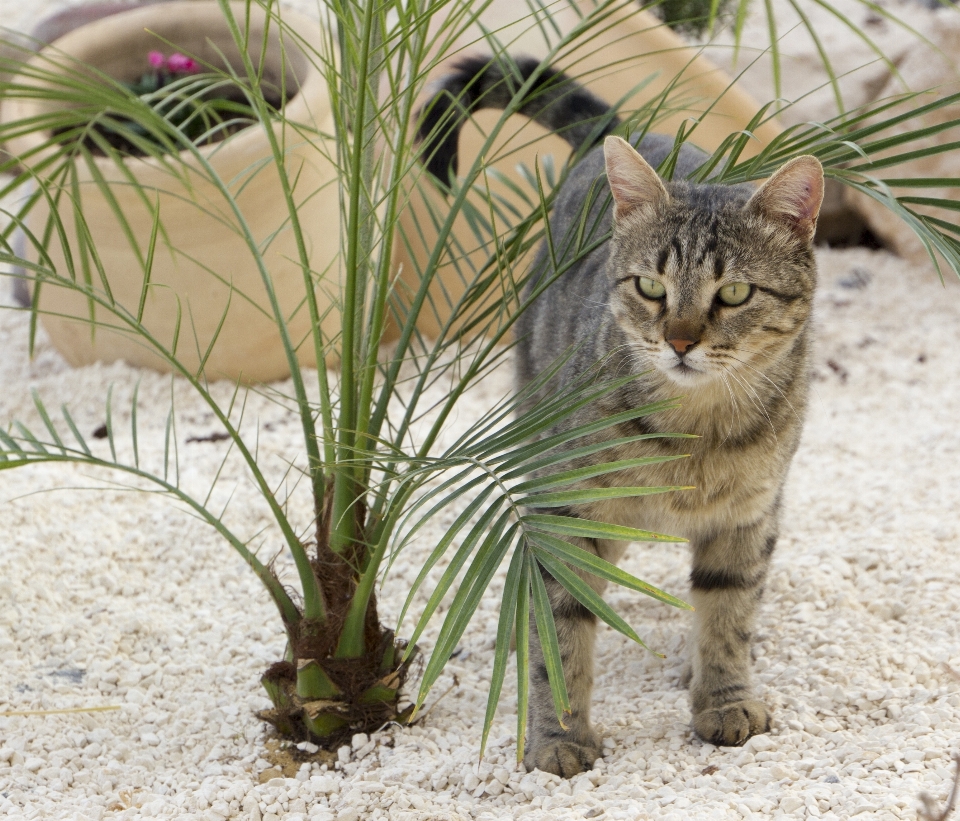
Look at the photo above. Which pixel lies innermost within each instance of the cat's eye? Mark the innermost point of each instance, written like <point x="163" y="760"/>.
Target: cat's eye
<point x="650" y="288"/>
<point x="736" y="293"/>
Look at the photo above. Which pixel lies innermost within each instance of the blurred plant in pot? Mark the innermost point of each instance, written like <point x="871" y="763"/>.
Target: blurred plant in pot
<point x="374" y="461"/>
<point x="203" y="107"/>
<point x="693" y="17"/>
<point x="78" y="127"/>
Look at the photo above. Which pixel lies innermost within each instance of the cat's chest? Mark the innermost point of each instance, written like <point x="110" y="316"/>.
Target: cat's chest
<point x="727" y="483"/>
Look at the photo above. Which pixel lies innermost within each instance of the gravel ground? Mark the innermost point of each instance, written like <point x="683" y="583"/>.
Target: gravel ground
<point x="114" y="603"/>
<point x="112" y="599"/>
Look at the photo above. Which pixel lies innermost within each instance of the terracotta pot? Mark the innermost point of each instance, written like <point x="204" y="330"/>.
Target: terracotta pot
<point x="630" y="47"/>
<point x="202" y="268"/>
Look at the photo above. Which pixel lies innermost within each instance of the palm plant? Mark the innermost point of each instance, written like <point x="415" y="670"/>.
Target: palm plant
<point x="373" y="461"/>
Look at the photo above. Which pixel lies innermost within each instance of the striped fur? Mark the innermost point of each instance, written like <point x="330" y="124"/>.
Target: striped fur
<point x="743" y="372"/>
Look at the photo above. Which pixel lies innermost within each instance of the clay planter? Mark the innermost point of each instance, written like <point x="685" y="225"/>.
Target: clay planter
<point x="203" y="267"/>
<point x="632" y="46"/>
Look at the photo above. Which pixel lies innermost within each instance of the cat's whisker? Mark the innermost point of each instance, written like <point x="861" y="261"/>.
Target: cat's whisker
<point x="736" y="416"/>
<point x="629" y="361"/>
<point x="767" y="358"/>
<point x="756" y="401"/>
<point x="775" y="386"/>
<point x="641" y="356"/>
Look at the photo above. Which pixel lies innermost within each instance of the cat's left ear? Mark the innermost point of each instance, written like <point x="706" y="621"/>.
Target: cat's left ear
<point x="793" y="196"/>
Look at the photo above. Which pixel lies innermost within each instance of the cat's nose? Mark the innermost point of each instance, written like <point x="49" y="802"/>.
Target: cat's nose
<point x="681" y="346"/>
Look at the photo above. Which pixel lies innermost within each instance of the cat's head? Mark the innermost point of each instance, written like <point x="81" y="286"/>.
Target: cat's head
<point x="711" y="278"/>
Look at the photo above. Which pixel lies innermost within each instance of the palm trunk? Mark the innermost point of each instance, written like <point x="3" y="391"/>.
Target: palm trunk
<point x="323" y="694"/>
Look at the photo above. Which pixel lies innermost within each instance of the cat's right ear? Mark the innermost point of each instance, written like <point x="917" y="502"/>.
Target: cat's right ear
<point x="633" y="183"/>
<point x="792" y="196"/>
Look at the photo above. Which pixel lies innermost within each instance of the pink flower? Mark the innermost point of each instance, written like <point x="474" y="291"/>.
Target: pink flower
<point x="181" y="64"/>
<point x="156" y="58"/>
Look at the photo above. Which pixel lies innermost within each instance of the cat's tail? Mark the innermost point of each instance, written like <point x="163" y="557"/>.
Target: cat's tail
<point x="554" y="100"/>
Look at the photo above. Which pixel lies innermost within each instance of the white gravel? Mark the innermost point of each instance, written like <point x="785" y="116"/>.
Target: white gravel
<point x="114" y="599"/>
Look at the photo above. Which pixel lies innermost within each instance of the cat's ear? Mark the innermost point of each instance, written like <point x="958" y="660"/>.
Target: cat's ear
<point x="793" y="195"/>
<point x="633" y="183"/>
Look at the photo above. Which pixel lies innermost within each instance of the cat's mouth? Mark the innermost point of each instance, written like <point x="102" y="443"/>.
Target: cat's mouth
<point x="683" y="368"/>
<point x="685" y="373"/>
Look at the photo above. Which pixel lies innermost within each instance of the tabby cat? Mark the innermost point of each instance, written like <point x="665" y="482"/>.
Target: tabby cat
<point x="703" y="291"/>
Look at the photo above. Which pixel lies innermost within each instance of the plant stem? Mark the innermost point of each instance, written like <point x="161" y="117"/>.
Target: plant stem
<point x="359" y="241"/>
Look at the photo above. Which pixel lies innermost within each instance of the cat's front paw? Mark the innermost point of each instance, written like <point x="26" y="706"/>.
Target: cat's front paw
<point x="732" y="724"/>
<point x="562" y="757"/>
